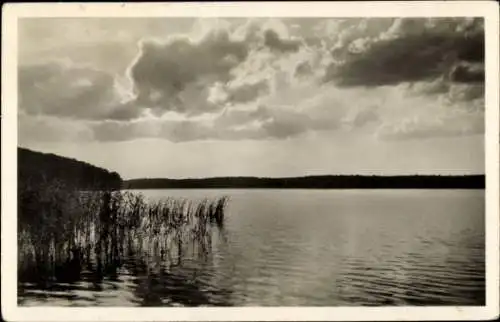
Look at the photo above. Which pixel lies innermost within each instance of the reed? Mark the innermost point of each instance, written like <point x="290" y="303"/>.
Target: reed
<point x="61" y="230"/>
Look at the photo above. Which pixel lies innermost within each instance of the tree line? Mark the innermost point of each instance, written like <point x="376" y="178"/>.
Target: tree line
<point x="35" y="169"/>
<point x="316" y="182"/>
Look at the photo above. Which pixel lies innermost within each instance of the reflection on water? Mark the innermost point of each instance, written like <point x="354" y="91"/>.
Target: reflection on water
<point x="303" y="247"/>
<point x="147" y="279"/>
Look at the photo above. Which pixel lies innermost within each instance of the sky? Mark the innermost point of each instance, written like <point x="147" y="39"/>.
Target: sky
<point x="201" y="97"/>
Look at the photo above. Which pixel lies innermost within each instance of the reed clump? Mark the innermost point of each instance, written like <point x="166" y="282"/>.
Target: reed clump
<point x="62" y="230"/>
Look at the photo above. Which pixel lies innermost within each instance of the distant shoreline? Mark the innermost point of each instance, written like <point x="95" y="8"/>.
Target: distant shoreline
<point x="35" y="168"/>
<point x="313" y="182"/>
<point x="311" y="188"/>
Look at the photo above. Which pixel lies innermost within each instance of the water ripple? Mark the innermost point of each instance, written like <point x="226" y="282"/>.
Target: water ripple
<point x="354" y="248"/>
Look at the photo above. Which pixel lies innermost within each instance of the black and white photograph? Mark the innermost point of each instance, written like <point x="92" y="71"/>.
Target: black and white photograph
<point x="251" y="161"/>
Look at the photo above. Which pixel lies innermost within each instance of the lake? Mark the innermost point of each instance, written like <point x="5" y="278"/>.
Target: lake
<point x="308" y="248"/>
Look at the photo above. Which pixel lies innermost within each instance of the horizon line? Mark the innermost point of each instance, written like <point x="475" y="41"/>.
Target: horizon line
<point x="311" y="176"/>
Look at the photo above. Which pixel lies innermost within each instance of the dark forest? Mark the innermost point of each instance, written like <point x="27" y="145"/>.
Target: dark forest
<point x="36" y="168"/>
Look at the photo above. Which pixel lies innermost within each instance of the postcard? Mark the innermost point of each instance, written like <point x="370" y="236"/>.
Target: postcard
<point x="237" y="161"/>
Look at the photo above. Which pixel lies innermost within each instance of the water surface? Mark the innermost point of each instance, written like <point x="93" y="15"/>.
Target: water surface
<point x="308" y="248"/>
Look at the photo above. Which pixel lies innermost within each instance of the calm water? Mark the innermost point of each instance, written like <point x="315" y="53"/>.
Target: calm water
<point x="311" y="248"/>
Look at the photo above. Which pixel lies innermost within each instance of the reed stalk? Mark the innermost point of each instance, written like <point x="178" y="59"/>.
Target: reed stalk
<point x="62" y="230"/>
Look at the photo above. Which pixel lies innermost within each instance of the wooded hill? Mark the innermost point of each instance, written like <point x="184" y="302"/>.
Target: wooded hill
<point x="36" y="168"/>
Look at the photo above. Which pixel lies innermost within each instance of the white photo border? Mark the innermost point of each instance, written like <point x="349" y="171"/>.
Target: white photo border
<point x="489" y="10"/>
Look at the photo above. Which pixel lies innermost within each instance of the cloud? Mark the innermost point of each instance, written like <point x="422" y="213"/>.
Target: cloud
<point x="465" y="95"/>
<point x="54" y="90"/>
<point x="264" y="79"/>
<point x="224" y="64"/>
<point x="365" y="116"/>
<point x="70" y="91"/>
<point x="467" y="73"/>
<point x="39" y="128"/>
<point x="167" y="75"/>
<point x="107" y="43"/>
<point x="456" y="124"/>
<point x="274" y="42"/>
<point x="324" y="109"/>
<point x="240" y="122"/>
<point x="171" y="130"/>
<point x="184" y="74"/>
<point x="449" y="93"/>
<point x="303" y="69"/>
<point x="340" y="33"/>
<point x="122" y="111"/>
<point x="247" y="92"/>
<point x="434" y="87"/>
<point x="410" y="50"/>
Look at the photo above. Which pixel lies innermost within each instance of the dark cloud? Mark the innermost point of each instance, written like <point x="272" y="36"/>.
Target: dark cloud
<point x="274" y="42"/>
<point x="411" y="50"/>
<point x="164" y="71"/>
<point x="391" y="62"/>
<point x="467" y="74"/>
